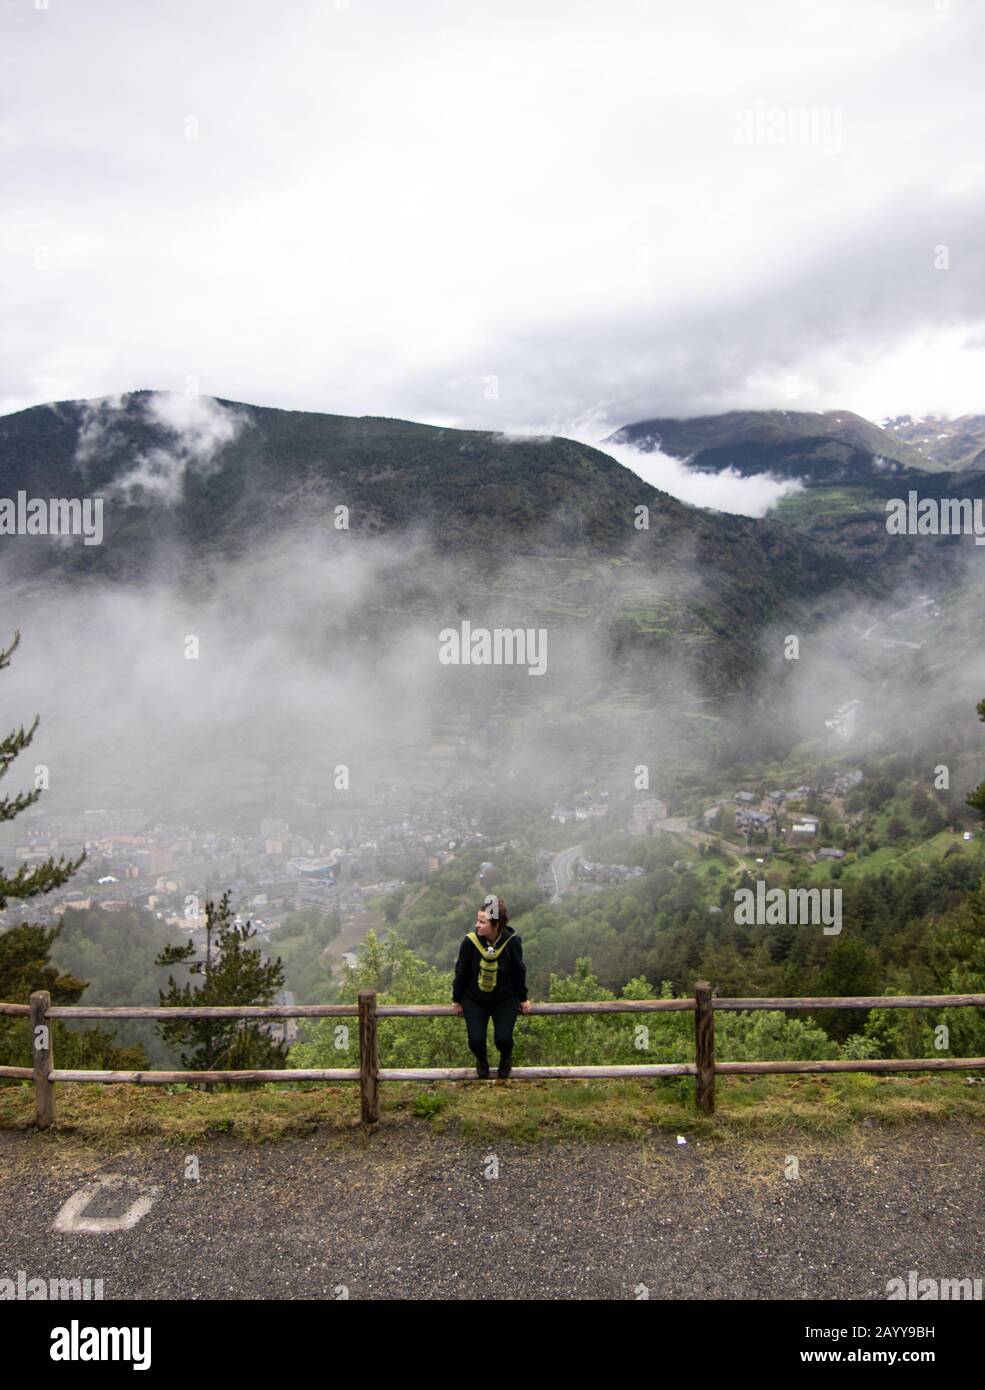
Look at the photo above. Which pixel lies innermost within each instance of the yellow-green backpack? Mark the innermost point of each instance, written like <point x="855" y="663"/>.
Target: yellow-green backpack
<point x="488" y="961"/>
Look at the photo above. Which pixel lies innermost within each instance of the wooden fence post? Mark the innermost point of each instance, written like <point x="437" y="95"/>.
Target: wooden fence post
<point x="43" y="1053"/>
<point x="704" y="1047"/>
<point x="369" y="1058"/>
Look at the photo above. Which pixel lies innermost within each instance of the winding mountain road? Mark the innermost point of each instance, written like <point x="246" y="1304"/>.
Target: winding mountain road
<point x="563" y="867"/>
<point x="921" y="603"/>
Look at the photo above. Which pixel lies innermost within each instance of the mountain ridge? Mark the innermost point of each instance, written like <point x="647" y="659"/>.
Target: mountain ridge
<point x="778" y="441"/>
<point x="549" y="526"/>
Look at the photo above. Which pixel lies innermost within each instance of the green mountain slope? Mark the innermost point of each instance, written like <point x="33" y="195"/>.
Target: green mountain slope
<point x="550" y="523"/>
<point x="848" y="469"/>
<point x="230" y="512"/>
<point x="831" y="445"/>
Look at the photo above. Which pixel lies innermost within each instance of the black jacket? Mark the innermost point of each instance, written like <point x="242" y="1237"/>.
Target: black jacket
<point x="511" y="977"/>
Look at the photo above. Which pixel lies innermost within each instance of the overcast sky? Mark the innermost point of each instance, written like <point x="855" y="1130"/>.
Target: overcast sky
<point x="508" y="213"/>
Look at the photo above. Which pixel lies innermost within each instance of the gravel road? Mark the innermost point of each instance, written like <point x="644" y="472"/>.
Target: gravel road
<point x="411" y="1213"/>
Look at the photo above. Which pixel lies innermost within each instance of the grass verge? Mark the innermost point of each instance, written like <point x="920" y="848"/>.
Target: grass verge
<point x="533" y="1112"/>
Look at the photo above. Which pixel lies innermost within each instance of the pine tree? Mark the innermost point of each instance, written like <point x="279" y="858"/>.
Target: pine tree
<point x="233" y="972"/>
<point x="27" y="882"/>
<point x="25" y="950"/>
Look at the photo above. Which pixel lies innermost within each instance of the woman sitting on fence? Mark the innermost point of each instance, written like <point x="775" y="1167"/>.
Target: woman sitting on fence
<point x="491" y="982"/>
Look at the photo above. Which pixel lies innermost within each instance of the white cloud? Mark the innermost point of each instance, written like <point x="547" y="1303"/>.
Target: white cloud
<point x="195" y="428"/>
<point x="386" y="205"/>
<point x="727" y="491"/>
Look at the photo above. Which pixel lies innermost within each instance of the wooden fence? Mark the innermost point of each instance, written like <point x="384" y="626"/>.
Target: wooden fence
<point x="369" y="1073"/>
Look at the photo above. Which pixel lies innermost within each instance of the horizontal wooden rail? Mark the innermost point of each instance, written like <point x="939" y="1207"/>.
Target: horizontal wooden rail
<point x="175" y="1078"/>
<point x="860" y="1001"/>
<point x="369" y="1073"/>
<point x="540" y="1073"/>
<point x="77" y="1011"/>
<point x="868" y="1064"/>
<point x="587" y="1006"/>
<point x="604" y="1006"/>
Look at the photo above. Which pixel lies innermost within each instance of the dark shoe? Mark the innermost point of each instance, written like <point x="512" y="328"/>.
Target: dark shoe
<point x="504" y="1068"/>
<point x="482" y="1070"/>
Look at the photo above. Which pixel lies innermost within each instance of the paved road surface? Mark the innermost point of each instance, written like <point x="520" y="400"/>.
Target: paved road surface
<point x="562" y="867"/>
<point x="407" y="1213"/>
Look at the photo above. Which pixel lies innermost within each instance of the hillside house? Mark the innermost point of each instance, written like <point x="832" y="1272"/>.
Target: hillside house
<point x="755" y="822"/>
<point x="849" y="781"/>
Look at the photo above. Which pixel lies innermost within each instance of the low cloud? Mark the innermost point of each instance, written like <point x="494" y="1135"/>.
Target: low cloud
<point x="98" y="430"/>
<point x="727" y="491"/>
<point x="195" y="429"/>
